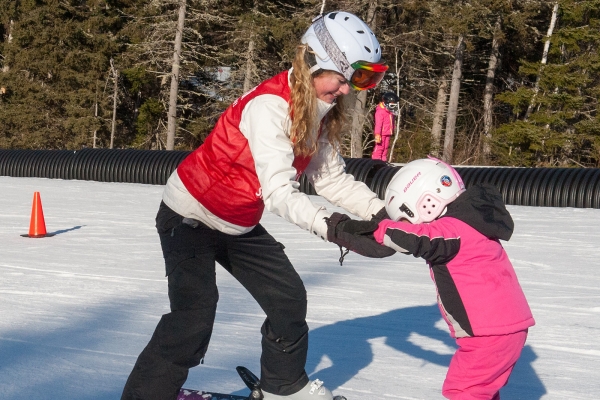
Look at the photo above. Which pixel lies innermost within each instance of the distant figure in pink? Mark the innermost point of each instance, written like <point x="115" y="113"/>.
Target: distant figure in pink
<point x="385" y="114"/>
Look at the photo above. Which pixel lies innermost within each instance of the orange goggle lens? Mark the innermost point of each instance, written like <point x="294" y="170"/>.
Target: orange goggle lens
<point x="367" y="75"/>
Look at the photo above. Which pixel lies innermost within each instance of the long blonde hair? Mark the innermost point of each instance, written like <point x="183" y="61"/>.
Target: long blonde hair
<point x="303" y="109"/>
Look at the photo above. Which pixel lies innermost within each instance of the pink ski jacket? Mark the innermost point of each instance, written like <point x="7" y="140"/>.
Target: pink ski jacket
<point x="384" y="121"/>
<point x="478" y="291"/>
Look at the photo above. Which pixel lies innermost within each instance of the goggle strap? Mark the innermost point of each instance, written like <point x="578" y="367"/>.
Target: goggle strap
<point x="311" y="60"/>
<point x="314" y="68"/>
<point x="332" y="49"/>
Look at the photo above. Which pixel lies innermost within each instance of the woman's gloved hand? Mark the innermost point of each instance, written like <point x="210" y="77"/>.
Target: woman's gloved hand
<point x="356" y="236"/>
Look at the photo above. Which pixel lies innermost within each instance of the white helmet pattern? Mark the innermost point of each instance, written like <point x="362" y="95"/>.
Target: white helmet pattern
<point x="352" y="36"/>
<point x="421" y="190"/>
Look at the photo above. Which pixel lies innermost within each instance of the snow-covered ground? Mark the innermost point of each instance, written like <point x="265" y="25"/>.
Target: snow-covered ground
<point x="76" y="309"/>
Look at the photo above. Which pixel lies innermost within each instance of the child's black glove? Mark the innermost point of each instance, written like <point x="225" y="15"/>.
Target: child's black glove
<point x="356" y="236"/>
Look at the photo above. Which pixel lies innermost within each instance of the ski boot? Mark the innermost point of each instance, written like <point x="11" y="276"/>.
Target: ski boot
<point x="314" y="390"/>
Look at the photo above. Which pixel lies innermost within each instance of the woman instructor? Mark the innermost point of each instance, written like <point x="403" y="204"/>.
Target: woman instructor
<point x="213" y="202"/>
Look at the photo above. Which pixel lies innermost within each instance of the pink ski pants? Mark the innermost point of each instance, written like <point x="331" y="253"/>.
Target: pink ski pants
<point x="482" y="365"/>
<point x="380" y="151"/>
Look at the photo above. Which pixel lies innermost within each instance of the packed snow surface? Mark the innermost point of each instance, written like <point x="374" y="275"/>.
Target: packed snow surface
<point x="77" y="308"/>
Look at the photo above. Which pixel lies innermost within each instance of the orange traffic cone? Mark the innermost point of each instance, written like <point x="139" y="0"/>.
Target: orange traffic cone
<point x="37" y="225"/>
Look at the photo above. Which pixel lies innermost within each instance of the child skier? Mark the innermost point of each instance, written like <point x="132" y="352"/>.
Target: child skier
<point x="458" y="233"/>
<point x="385" y="115"/>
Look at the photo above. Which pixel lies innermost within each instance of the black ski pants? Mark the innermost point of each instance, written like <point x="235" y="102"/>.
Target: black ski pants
<point x="181" y="337"/>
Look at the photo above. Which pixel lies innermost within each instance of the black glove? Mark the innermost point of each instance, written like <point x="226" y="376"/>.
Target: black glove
<point x="356" y="236"/>
<point x="380" y="216"/>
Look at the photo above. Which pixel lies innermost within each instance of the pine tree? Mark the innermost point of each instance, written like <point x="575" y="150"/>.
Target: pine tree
<point x="54" y="65"/>
<point x="563" y="127"/>
<point x="57" y="86"/>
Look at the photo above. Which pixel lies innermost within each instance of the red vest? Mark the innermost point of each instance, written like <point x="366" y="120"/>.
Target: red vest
<point x="220" y="174"/>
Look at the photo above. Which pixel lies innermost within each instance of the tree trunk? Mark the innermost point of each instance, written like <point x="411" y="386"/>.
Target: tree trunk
<point x="9" y="37"/>
<point x="399" y="116"/>
<point x="396" y="134"/>
<point x="453" y="101"/>
<point x="95" y="130"/>
<point x="172" y="115"/>
<point x="249" y="67"/>
<point x="536" y="87"/>
<point x="356" y="129"/>
<point x="438" y="117"/>
<point x="358" y="112"/>
<point x="488" y="94"/>
<point x="115" y="95"/>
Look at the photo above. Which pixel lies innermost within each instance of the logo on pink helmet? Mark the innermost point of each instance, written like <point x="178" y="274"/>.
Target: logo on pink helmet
<point x="408" y="185"/>
<point x="446" y="181"/>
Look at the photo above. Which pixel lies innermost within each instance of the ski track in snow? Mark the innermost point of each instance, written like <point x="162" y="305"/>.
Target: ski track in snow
<point x="79" y="307"/>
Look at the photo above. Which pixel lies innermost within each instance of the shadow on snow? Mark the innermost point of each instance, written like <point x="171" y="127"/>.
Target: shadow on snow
<point x="346" y="344"/>
<point x="85" y="359"/>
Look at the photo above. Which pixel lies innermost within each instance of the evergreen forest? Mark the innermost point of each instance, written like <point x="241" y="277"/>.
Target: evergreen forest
<point x="480" y="82"/>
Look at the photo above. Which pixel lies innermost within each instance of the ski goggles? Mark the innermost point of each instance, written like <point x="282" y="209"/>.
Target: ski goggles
<point x="366" y="75"/>
<point x="361" y="75"/>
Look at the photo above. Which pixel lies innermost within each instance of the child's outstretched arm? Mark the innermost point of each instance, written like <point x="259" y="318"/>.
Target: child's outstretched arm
<point x="421" y="240"/>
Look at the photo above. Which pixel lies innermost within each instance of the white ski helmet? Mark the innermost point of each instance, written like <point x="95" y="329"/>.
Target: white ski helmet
<point x="421" y="190"/>
<point x="342" y="42"/>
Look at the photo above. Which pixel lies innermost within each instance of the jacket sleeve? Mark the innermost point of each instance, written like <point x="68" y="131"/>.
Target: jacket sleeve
<point x="427" y="241"/>
<point x="327" y="173"/>
<point x="264" y="123"/>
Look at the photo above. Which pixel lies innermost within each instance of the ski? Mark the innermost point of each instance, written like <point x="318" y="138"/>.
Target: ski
<point x="251" y="381"/>
<point x="188" y="394"/>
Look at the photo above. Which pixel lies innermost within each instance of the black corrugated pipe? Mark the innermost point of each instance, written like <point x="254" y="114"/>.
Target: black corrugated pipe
<point x="103" y="165"/>
<point x="546" y="187"/>
<point x="363" y="169"/>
